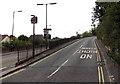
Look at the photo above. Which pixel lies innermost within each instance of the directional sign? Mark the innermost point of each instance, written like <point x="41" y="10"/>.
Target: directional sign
<point x="46" y="32"/>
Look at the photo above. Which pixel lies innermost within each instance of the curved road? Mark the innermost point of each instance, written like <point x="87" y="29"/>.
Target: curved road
<point x="78" y="62"/>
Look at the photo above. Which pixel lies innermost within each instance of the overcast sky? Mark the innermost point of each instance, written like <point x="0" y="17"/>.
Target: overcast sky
<point x="65" y="18"/>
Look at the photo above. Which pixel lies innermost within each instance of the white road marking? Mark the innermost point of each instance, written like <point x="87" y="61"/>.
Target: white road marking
<point x="78" y="49"/>
<point x="3" y="68"/>
<point x="89" y="56"/>
<point x="83" y="56"/>
<point x="75" y="52"/>
<point x="57" y="69"/>
<point x="83" y="47"/>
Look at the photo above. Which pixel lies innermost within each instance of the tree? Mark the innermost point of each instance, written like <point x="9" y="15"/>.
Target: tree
<point x="93" y="30"/>
<point x="23" y="38"/>
<point x="86" y="34"/>
<point x="108" y="15"/>
<point x="56" y="38"/>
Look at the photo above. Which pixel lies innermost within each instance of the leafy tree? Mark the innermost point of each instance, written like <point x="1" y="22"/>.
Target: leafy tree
<point x="86" y="34"/>
<point x="108" y="30"/>
<point x="56" y="38"/>
<point x="93" y="30"/>
<point x="23" y="38"/>
<point x="5" y="44"/>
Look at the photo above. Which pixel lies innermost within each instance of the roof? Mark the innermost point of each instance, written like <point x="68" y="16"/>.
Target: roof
<point x="3" y="36"/>
<point x="39" y="36"/>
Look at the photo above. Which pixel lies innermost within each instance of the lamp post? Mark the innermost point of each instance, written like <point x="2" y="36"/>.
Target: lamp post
<point x="13" y="21"/>
<point x="13" y="29"/>
<point x="13" y="33"/>
<point x="46" y="29"/>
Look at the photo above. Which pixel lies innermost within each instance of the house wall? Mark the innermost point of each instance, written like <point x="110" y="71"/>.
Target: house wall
<point x="6" y="39"/>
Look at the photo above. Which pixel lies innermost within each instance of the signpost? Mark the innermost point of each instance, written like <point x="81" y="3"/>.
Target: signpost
<point x="47" y="35"/>
<point x="33" y="21"/>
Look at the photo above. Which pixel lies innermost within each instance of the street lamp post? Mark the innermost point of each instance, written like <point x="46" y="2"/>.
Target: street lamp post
<point x="46" y="29"/>
<point x="13" y="21"/>
<point x="13" y="29"/>
<point x="13" y="32"/>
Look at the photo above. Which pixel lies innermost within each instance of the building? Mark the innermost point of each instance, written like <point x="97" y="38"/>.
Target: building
<point x="4" y="38"/>
<point x="37" y="37"/>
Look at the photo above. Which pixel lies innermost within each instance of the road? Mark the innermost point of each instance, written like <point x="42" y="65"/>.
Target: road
<point x="10" y="59"/>
<point x="78" y="62"/>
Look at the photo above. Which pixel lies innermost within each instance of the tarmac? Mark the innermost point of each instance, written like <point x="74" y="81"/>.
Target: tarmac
<point x="113" y="69"/>
<point x="35" y="59"/>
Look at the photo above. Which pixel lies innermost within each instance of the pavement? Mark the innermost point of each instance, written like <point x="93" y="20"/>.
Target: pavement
<point x="10" y="59"/>
<point x="113" y="69"/>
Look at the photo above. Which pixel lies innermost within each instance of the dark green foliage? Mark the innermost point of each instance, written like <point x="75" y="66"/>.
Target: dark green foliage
<point x="108" y="30"/>
<point x="23" y="38"/>
<point x="86" y="34"/>
<point x="5" y="44"/>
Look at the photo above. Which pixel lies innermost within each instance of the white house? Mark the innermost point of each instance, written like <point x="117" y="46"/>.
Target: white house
<point x="4" y="38"/>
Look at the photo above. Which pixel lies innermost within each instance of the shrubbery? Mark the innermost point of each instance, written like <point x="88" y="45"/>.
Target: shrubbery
<point x="108" y="30"/>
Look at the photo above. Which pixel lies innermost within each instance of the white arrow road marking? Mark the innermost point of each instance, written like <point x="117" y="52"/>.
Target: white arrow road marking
<point x="57" y="69"/>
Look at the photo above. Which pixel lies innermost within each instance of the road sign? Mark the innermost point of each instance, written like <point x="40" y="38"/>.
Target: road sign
<point x="34" y="20"/>
<point x="47" y="36"/>
<point x="46" y="31"/>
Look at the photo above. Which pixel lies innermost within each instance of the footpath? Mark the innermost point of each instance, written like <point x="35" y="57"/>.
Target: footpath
<point x="36" y="58"/>
<point x="111" y="66"/>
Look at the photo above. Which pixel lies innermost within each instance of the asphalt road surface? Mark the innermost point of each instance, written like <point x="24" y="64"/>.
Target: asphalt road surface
<point x="78" y="62"/>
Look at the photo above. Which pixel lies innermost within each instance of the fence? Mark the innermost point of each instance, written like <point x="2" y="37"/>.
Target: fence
<point x="25" y="53"/>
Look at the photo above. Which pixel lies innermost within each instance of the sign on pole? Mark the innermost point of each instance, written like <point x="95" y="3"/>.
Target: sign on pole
<point x="34" y="20"/>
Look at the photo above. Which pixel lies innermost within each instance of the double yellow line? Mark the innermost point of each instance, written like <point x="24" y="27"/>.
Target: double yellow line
<point x="100" y="69"/>
<point x="100" y="75"/>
